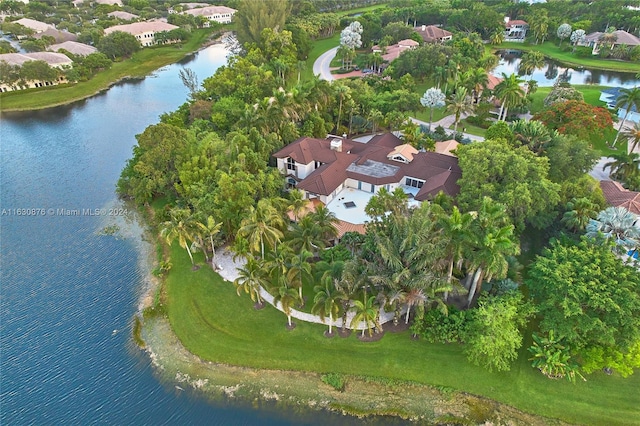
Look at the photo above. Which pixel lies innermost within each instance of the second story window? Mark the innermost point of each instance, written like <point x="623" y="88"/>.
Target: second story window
<point x="291" y="165"/>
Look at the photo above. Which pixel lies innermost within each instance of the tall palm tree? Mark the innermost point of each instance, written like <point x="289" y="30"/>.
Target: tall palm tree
<point x="263" y="225"/>
<point x="628" y="99"/>
<point x="531" y="61"/>
<point x="342" y="92"/>
<point x="354" y="278"/>
<point x="459" y="104"/>
<point x="297" y="203"/>
<point x="367" y="311"/>
<point x="299" y="271"/>
<point x="497" y="37"/>
<point x="300" y="66"/>
<point x="579" y="212"/>
<point x="326" y="303"/>
<point x="456" y="229"/>
<point x="633" y="135"/>
<point x="304" y="235"/>
<point x="252" y="276"/>
<point x="509" y="92"/>
<point x="287" y="297"/>
<point x="212" y="230"/>
<point x="182" y="226"/>
<point x="375" y="117"/>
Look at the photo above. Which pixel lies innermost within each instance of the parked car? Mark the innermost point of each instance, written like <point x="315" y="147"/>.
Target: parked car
<point x="367" y="71"/>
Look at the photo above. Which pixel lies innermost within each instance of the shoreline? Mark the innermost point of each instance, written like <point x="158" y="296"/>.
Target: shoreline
<point x="208" y="42"/>
<point x="300" y="394"/>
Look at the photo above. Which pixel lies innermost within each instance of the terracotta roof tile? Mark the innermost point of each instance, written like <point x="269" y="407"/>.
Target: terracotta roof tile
<point x="617" y="196"/>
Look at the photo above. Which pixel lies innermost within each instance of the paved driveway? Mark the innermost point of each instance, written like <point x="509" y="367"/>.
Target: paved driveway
<point x="321" y="65"/>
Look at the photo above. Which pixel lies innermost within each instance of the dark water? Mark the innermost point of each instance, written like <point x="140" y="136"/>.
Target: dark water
<point x="552" y="70"/>
<point x="68" y="294"/>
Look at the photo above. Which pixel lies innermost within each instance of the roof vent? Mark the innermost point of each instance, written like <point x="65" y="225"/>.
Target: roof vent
<point x="336" y="145"/>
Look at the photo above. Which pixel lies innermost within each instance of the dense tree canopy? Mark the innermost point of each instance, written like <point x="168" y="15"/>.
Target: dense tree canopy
<point x="592" y="300"/>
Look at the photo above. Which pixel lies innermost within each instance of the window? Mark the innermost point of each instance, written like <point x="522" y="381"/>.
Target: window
<point x="318" y="164"/>
<point x="291" y="165"/>
<point x="413" y="182"/>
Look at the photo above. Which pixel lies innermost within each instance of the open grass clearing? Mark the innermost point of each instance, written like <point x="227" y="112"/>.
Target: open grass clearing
<point x="217" y="325"/>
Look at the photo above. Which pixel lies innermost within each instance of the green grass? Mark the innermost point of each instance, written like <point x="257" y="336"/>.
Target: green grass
<point x="551" y="50"/>
<point x="319" y="47"/>
<point x="362" y="9"/>
<point x="219" y="326"/>
<point x="140" y="64"/>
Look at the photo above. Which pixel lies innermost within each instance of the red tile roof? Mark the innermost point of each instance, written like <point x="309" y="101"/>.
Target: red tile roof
<point x="617" y="196"/>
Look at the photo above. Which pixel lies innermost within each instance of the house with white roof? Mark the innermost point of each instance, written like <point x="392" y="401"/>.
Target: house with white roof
<point x="32" y="24"/>
<point x="74" y="47"/>
<point x="144" y="32"/>
<point x="220" y="14"/>
<point x="125" y="16"/>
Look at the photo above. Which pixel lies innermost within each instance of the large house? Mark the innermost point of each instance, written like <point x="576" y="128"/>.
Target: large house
<point x="54" y="60"/>
<point x="74" y="47"/>
<point x="433" y="34"/>
<point x="515" y="30"/>
<point x="221" y="14"/>
<point x="32" y="24"/>
<point x="344" y="174"/>
<point x="143" y="31"/>
<point x="393" y="52"/>
<point x="617" y="196"/>
<point x="595" y="40"/>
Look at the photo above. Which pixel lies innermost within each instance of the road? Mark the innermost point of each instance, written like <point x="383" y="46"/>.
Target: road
<point x="322" y="65"/>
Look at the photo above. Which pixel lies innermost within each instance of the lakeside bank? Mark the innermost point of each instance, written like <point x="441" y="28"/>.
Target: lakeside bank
<point x="140" y="65"/>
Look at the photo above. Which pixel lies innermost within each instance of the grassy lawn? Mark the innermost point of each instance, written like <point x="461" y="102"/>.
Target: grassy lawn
<point x="141" y="64"/>
<point x="552" y="50"/>
<point x="217" y="325"/>
<point x="319" y="47"/>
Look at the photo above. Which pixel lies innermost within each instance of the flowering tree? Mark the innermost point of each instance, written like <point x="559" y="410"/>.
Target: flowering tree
<point x="432" y="98"/>
<point x="350" y="39"/>
<point x="563" y="32"/>
<point x="577" y="36"/>
<point x="576" y="118"/>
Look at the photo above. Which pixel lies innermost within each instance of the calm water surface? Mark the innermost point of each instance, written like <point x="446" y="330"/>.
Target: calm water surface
<point x="68" y="294"/>
<point x="552" y="70"/>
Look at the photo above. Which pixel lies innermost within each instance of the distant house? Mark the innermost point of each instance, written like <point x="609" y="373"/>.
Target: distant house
<point x="186" y="6"/>
<point x="125" y="16"/>
<point x="610" y="96"/>
<point x="617" y="196"/>
<point x="109" y="2"/>
<point x="32" y="24"/>
<point x="344" y="174"/>
<point x="220" y="14"/>
<point x="143" y="31"/>
<point x="54" y="60"/>
<point x="515" y="30"/>
<point x="433" y="34"/>
<point x="74" y="47"/>
<point x="594" y="40"/>
<point x="59" y="36"/>
<point x="393" y="51"/>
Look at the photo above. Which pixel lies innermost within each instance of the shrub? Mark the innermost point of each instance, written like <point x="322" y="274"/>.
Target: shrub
<point x="335" y="380"/>
<point x="437" y="327"/>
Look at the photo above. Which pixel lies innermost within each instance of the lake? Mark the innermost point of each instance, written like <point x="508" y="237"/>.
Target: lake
<point x="547" y="76"/>
<point x="69" y="293"/>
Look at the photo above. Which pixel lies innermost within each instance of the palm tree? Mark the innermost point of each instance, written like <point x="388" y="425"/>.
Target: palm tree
<point x="325" y="221"/>
<point x="182" y="226"/>
<point x="456" y="229"/>
<point x="497" y="37"/>
<point x="493" y="242"/>
<point x="299" y="271"/>
<point x="212" y="229"/>
<point x="628" y="99"/>
<point x="531" y="133"/>
<point x="353" y="279"/>
<point x="579" y="212"/>
<point x="251" y="278"/>
<point x="297" y="203"/>
<point x="262" y="226"/>
<point x="343" y="92"/>
<point x="531" y="61"/>
<point x="287" y="297"/>
<point x="459" y="104"/>
<point x="300" y="66"/>
<point x="617" y="224"/>
<point x="366" y="311"/>
<point x="476" y="81"/>
<point x="509" y="92"/>
<point x="304" y="235"/>
<point x="326" y="303"/>
<point x="624" y="166"/>
<point x="375" y="117"/>
<point x="633" y="135"/>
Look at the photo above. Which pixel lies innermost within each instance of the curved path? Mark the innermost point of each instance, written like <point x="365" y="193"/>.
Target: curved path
<point x="228" y="271"/>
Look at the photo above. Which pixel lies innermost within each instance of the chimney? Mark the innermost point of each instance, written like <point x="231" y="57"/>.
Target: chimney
<point x="336" y="145"/>
<point x="424" y="28"/>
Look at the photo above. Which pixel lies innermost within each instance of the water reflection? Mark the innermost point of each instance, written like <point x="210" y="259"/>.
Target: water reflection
<point x="553" y="70"/>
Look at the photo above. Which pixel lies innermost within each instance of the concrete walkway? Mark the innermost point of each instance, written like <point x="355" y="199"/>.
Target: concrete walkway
<point x="229" y="272"/>
<point x="598" y="171"/>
